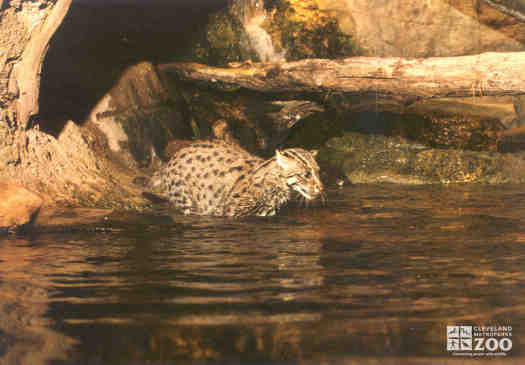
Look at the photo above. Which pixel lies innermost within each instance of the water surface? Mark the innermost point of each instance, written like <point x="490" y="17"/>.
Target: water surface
<point x="376" y="275"/>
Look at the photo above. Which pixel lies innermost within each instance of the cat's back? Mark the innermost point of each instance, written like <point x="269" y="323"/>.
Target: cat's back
<point x="198" y="177"/>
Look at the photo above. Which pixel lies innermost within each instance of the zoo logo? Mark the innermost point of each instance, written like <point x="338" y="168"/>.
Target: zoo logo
<point x="477" y="340"/>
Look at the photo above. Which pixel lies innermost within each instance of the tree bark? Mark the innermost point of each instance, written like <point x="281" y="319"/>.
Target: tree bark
<point x="391" y="78"/>
<point x="510" y="7"/>
<point x="26" y="28"/>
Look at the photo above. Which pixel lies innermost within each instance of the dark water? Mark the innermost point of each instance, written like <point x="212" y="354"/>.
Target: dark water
<point x="374" y="277"/>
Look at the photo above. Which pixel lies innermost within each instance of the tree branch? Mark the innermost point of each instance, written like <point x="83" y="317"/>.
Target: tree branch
<point x="391" y="77"/>
<point x="27" y="71"/>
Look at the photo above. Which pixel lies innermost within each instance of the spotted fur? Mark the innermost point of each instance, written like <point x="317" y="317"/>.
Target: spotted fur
<point x="214" y="178"/>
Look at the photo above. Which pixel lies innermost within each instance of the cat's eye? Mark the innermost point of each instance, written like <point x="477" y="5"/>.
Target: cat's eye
<point x="308" y="174"/>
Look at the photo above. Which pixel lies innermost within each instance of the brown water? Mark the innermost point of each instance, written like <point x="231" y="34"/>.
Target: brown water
<point x="373" y="277"/>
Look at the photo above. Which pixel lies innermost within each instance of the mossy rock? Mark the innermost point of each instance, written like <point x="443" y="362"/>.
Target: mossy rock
<point x="149" y="131"/>
<point x="375" y="158"/>
<point x="302" y="30"/>
<point x="223" y="41"/>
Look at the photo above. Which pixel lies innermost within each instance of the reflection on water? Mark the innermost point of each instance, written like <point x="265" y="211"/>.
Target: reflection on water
<point x="377" y="274"/>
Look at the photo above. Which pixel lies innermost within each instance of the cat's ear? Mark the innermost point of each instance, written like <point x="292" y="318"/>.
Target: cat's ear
<point x="280" y="160"/>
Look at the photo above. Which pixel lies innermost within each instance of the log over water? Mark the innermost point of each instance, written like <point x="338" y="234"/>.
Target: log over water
<point x="390" y="77"/>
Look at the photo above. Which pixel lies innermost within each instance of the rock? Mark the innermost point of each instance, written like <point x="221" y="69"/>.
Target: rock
<point x="52" y="219"/>
<point x="58" y="219"/>
<point x="413" y="28"/>
<point x="374" y="158"/>
<point x="136" y="117"/>
<point x="295" y="29"/>
<point x="303" y="29"/>
<point x="273" y="31"/>
<point x="72" y="170"/>
<point x="18" y="207"/>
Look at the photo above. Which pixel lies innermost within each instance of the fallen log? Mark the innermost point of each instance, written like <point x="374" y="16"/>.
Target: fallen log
<point x="403" y="79"/>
